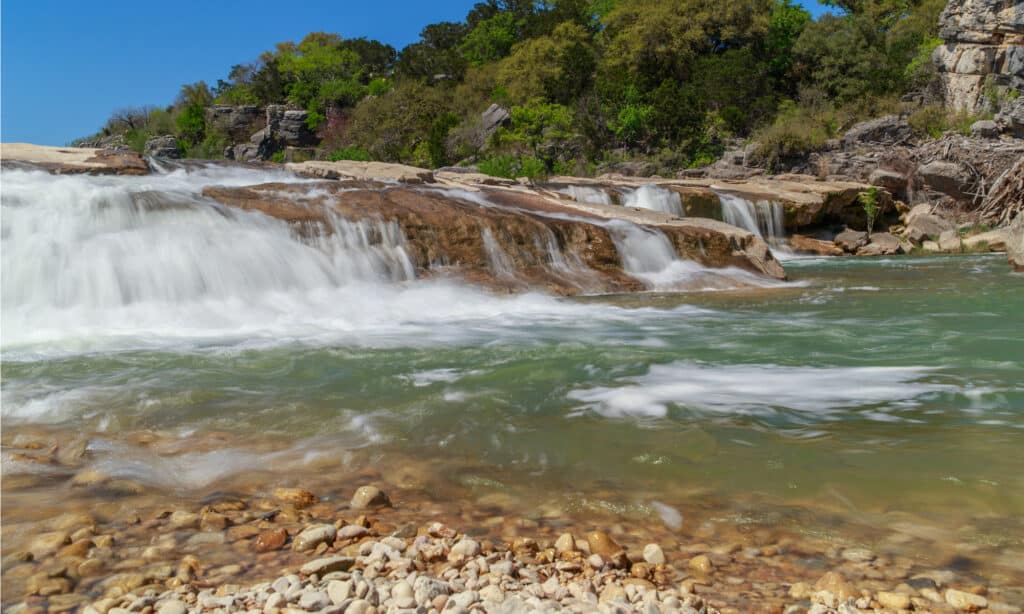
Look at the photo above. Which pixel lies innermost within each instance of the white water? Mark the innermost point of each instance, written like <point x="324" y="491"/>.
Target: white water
<point x="498" y="261"/>
<point x="655" y="198"/>
<point x="761" y="389"/>
<point x="764" y="218"/>
<point x="100" y="263"/>
<point x="587" y="194"/>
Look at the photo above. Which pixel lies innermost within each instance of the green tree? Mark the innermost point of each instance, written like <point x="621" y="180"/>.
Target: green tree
<point x="491" y="39"/>
<point x="557" y="67"/>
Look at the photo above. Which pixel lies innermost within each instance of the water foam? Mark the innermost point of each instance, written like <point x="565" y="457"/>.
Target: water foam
<point x="653" y="197"/>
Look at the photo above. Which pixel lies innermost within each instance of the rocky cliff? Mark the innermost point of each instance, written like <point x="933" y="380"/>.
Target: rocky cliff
<point x="983" y="49"/>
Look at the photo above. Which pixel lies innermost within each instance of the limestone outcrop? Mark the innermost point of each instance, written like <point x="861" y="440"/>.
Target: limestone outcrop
<point x="507" y="237"/>
<point x="69" y="160"/>
<point x="983" y="48"/>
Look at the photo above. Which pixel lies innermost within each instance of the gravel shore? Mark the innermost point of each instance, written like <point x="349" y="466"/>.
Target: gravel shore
<point x="351" y="558"/>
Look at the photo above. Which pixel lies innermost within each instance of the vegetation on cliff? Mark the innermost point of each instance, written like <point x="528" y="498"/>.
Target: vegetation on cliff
<point x="586" y="82"/>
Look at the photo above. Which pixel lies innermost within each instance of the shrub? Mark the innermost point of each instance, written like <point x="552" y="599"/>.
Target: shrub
<point x="352" y="152"/>
<point x="869" y="201"/>
<point x="512" y="166"/>
<point x="929" y="120"/>
<point x="277" y="156"/>
<point x="795" y="131"/>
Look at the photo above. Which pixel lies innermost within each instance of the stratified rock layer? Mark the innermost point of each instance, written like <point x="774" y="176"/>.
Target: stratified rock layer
<point x="64" y="160"/>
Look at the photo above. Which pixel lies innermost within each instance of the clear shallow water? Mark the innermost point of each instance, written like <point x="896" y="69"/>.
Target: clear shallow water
<point x="869" y="388"/>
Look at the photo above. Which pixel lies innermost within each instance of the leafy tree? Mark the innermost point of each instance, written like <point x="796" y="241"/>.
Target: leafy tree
<point x="491" y="39"/>
<point x="556" y="67"/>
<point x="437" y="52"/>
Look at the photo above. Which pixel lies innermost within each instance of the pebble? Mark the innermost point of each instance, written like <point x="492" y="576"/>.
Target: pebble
<point x="327" y="564"/>
<point x="465" y="547"/>
<point x="702" y="565"/>
<point x="601" y="544"/>
<point x="369" y="496"/>
<point x="968" y="602"/>
<point x="653" y="554"/>
<point x="894" y="601"/>
<point x="352" y="531"/>
<point x="314" y="535"/>
<point x="833" y="582"/>
<point x="173" y="606"/>
<point x="299" y="498"/>
<point x="269" y="540"/>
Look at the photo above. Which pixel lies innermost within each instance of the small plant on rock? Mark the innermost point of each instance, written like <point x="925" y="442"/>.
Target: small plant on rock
<point x="868" y="199"/>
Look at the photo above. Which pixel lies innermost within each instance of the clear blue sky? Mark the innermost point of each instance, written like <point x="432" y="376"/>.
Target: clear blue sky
<point x="67" y="64"/>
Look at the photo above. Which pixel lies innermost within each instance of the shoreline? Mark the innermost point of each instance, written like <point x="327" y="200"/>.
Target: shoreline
<point x="140" y="549"/>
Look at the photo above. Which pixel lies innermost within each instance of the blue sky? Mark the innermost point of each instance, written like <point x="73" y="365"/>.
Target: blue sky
<point x="67" y="64"/>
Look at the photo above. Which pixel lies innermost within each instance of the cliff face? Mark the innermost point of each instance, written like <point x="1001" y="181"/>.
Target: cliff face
<point x="984" y="45"/>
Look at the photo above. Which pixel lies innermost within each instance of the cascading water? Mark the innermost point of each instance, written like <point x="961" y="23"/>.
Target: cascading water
<point x="655" y="198"/>
<point x="587" y="194"/>
<point x="764" y="218"/>
<point x="499" y="262"/>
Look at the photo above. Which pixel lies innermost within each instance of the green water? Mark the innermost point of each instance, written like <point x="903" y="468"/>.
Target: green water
<point x="868" y="385"/>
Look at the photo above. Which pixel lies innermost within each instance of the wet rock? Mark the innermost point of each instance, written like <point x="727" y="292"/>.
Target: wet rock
<point x="565" y="543"/>
<point x="369" y="496"/>
<point x="835" y="583"/>
<point x="894" y="601"/>
<point x="46" y="544"/>
<point x="212" y="521"/>
<point x="702" y="565"/>
<point x="299" y="498"/>
<point x="653" y="554"/>
<point x="271" y="539"/>
<point x="602" y="545"/>
<point x="77" y="549"/>
<point x="313" y="536"/>
<point x="327" y="565"/>
<point x="992" y="241"/>
<point x="183" y="520"/>
<point x="964" y="601"/>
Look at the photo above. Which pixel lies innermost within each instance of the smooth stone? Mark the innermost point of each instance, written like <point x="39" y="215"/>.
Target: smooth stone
<point x="968" y="602"/>
<point x="298" y="498"/>
<point x="327" y="565"/>
<point x="351" y="531"/>
<point x="173" y="606"/>
<point x="565" y="543"/>
<point x="653" y="554"/>
<point x="314" y="535"/>
<point x="359" y="606"/>
<point x="858" y="555"/>
<point x="465" y="547"/>
<point x="702" y="565"/>
<point x="271" y="539"/>
<point x="600" y="543"/>
<point x="895" y="601"/>
<point x="46" y="544"/>
<point x="313" y="601"/>
<point x="183" y="520"/>
<point x="836" y="584"/>
<point x="369" y="496"/>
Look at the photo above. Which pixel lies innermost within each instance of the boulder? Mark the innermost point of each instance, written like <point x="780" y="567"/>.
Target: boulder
<point x="235" y="122"/>
<point x="886" y="130"/>
<point x="949" y="241"/>
<point x="985" y="129"/>
<point x="992" y="241"/>
<point x="809" y="245"/>
<point x="362" y="171"/>
<point x="881" y="244"/>
<point x="288" y="127"/>
<point x="1015" y="244"/>
<point x="1010" y="118"/>
<point x="923" y="224"/>
<point x="894" y="181"/>
<point x="949" y="178"/>
<point x="493" y="118"/>
<point x="851" y="240"/>
<point x="165" y="146"/>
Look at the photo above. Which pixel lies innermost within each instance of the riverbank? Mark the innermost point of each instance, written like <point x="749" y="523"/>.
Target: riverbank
<point x="360" y="542"/>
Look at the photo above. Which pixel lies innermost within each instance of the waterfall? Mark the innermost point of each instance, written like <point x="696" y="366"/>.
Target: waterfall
<point x="648" y="255"/>
<point x="587" y="194"/>
<point x="763" y="218"/>
<point x="655" y="198"/>
<point x="498" y="261"/>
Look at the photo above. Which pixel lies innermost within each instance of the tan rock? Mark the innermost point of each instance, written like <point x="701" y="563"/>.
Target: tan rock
<point x="835" y="583"/>
<point x="369" y="496"/>
<point x="808" y="245"/>
<point x="701" y="565"/>
<point x="993" y="240"/>
<point x="62" y="160"/>
<point x="602" y="545"/>
<point x="894" y="601"/>
<point x="964" y="601"/>
<point x="296" y="497"/>
<point x="46" y="544"/>
<point x="565" y="543"/>
<point x="362" y="171"/>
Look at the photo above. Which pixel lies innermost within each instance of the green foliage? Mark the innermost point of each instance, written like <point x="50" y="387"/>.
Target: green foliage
<point x="512" y="167"/>
<point x="795" y="131"/>
<point x="491" y="39"/>
<point x="785" y="25"/>
<point x="191" y="123"/>
<point x="351" y="152"/>
<point x="378" y="87"/>
<point x="868" y="200"/>
<point x="392" y="126"/>
<point x="934" y="120"/>
<point x="277" y="156"/>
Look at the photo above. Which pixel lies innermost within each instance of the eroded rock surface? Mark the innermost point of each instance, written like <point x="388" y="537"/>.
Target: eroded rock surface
<point x="62" y="160"/>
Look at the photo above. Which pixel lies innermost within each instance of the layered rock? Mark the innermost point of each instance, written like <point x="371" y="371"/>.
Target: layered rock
<point x="165" y="146"/>
<point x="62" y="160"/>
<point x="983" y="46"/>
<point x="502" y="237"/>
<point x="236" y="122"/>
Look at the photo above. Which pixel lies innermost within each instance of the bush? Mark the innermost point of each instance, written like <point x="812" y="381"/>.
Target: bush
<point x="352" y="152"/>
<point x="277" y="156"/>
<point x="796" y="131"/>
<point x="512" y="166"/>
<point x="929" y="120"/>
